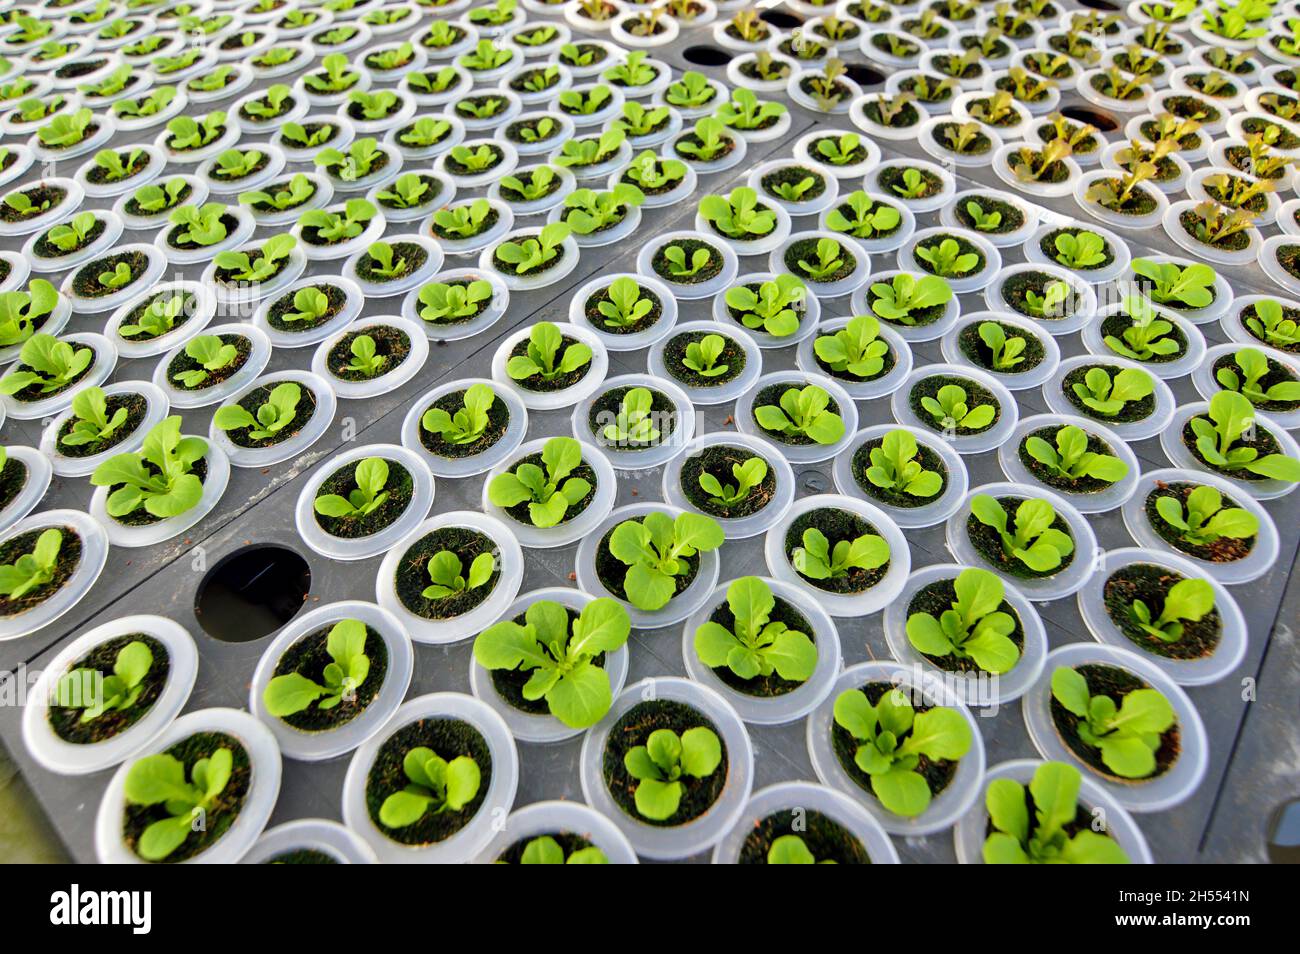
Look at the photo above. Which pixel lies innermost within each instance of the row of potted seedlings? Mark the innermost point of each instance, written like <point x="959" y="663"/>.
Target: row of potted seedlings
<point x="682" y="777"/>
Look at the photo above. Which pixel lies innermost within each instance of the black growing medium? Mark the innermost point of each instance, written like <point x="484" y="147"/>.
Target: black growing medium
<point x="308" y="657"/>
<point x="1116" y="683"/>
<point x="718" y="460"/>
<point x="412" y="574"/>
<point x="938" y="598"/>
<point x="498" y="421"/>
<point x="633" y="728"/>
<point x="449" y="739"/>
<point x="733" y="357"/>
<point x="66" y="722"/>
<point x="1150" y="584"/>
<point x="399" y="487"/>
<point x="68" y="560"/>
<point x="136" y="406"/>
<point x="981" y="355"/>
<point x="391" y="344"/>
<point x="988" y="543"/>
<point x="835" y="525"/>
<point x="13" y="478"/>
<point x="938" y="773"/>
<point x="219" y="816"/>
<point x="1222" y="550"/>
<point x="827" y="839"/>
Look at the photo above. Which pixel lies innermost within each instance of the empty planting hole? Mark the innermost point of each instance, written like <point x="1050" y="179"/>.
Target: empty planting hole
<point x="704" y="55"/>
<point x="251" y="593"/>
<point x="864" y="75"/>
<point x="1104" y="122"/>
<point x="1284" y="834"/>
<point x="782" y="19"/>
<point x="1104" y="5"/>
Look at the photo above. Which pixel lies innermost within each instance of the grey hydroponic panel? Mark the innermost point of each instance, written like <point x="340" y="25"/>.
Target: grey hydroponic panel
<point x="1248" y="715"/>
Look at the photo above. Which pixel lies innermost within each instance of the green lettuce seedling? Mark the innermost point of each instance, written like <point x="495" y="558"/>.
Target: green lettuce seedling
<point x="188" y="133"/>
<point x="425" y="131"/>
<point x="47" y="363"/>
<point x="592" y="150"/>
<point x="745" y="111"/>
<point x="200" y="225"/>
<point x="548" y="490"/>
<point x="649" y="171"/>
<point x="159" y="476"/>
<point x="947" y="258"/>
<point x="585" y="102"/>
<point x="90" y="421"/>
<point x="547" y="851"/>
<point x="310" y="304"/>
<point x="774" y="308"/>
<point x="275" y="415"/>
<point x="1205" y="519"/>
<point x="892" y="737"/>
<point x="1051" y="303"/>
<point x="445" y="569"/>
<point x="634" y="423"/>
<point x="336" y="227"/>
<point x="1192" y="286"/>
<point x="1252" y="368"/>
<point x="118" y="278"/>
<point x="898" y="299"/>
<point x="297" y="134"/>
<point x="237" y="164"/>
<point x="19" y="310"/>
<point x="1147" y="337"/>
<point x="544" y="344"/>
<point x="1071" y="459"/>
<point x="818" y="560"/>
<point x="625" y="307"/>
<point x="265" y="263"/>
<point x="655" y="549"/>
<point x="691" y="91"/>
<point x="702" y="356"/>
<point x="830" y="259"/>
<point x="33" y="569"/>
<point x="444" y="302"/>
<point x="895" y="465"/>
<point x="361" y="159"/>
<point x="748" y="474"/>
<point x="1104" y="395"/>
<point x="588" y="211"/>
<point x="436" y="786"/>
<point x="660" y="765"/>
<point x="803" y="412"/>
<point x="371" y="476"/>
<point x="293" y="692"/>
<point x="408" y="192"/>
<point x="791" y="850"/>
<point x="738" y="215"/>
<point x="467" y="424"/>
<point x="974" y="628"/>
<point x="365" y="357"/>
<point x="1128" y="734"/>
<point x="950" y="411"/>
<point x="75" y="233"/>
<point x="855" y="349"/>
<point x="533" y="252"/>
<point x="984" y="221"/>
<point x="211" y="354"/>
<point x="1188" y="599"/>
<point x="1007" y="352"/>
<point x="1033" y="541"/>
<point x="1055" y="793"/>
<point x="96" y="694"/>
<point x="1080" y="250"/>
<point x="871" y="218"/>
<point x="463" y="221"/>
<point x="159" y="198"/>
<point x="756" y="645"/>
<point x="560" y="657"/>
<point x="160" y="780"/>
<point x="300" y="189"/>
<point x="1270" y="325"/>
<point x="1230" y="417"/>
